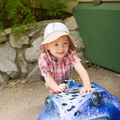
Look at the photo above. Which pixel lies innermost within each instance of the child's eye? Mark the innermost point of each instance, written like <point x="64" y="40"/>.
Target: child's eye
<point x="55" y="44"/>
<point x="66" y="43"/>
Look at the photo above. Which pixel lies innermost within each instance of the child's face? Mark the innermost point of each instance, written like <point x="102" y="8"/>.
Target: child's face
<point x="59" y="47"/>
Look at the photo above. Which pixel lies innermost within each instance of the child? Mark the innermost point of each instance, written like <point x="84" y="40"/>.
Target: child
<point x="58" y="59"/>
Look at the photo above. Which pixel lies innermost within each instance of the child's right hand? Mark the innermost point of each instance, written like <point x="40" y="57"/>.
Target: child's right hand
<point x="60" y="88"/>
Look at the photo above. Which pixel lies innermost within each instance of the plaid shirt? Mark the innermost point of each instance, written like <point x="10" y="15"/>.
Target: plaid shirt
<point x="60" y="70"/>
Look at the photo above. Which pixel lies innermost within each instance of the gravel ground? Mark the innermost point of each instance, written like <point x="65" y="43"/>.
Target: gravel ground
<point x="23" y="100"/>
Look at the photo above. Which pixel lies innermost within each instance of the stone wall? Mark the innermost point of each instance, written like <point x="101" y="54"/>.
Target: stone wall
<point x="18" y="58"/>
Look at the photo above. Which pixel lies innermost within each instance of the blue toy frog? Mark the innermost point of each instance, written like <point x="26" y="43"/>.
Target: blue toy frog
<point x="96" y="105"/>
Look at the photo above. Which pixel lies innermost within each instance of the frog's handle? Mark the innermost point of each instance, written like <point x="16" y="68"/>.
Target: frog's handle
<point x="58" y="92"/>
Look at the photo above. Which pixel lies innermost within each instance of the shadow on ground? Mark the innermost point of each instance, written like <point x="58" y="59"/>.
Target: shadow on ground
<point x="23" y="100"/>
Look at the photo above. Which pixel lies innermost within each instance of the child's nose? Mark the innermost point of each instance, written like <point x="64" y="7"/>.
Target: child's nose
<point x="61" y="47"/>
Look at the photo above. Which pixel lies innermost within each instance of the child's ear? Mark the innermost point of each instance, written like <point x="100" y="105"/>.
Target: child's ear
<point x="46" y="46"/>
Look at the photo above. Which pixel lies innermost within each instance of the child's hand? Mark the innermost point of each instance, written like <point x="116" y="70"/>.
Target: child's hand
<point x="61" y="87"/>
<point x="85" y="89"/>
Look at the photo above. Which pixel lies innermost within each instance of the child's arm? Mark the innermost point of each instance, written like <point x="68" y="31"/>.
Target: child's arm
<point x="53" y="85"/>
<point x="84" y="76"/>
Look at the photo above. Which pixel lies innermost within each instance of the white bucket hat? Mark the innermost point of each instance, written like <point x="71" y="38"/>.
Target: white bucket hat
<point x="53" y="31"/>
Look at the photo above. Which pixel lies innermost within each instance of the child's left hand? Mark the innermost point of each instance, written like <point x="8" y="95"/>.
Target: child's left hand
<point x="85" y="89"/>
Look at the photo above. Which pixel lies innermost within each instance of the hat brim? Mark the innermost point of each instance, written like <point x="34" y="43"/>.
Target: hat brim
<point x="54" y="36"/>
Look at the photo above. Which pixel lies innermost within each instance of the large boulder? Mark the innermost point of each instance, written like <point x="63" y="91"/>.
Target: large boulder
<point x="78" y="41"/>
<point x="22" y="62"/>
<point x="7" y="60"/>
<point x="4" y="78"/>
<point x="71" y="24"/>
<point x="23" y="39"/>
<point x="3" y="37"/>
<point x="32" y="53"/>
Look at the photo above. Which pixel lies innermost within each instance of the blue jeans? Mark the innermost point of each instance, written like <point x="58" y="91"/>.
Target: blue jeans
<point x="42" y="78"/>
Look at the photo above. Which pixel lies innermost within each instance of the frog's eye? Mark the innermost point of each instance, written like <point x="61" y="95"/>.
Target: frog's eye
<point x="48" y="102"/>
<point x="77" y="113"/>
<point x="96" y="99"/>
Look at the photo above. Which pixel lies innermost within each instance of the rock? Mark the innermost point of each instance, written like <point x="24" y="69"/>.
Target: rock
<point x="78" y="41"/>
<point x="33" y="32"/>
<point x="23" y="39"/>
<point x="8" y="31"/>
<point x="34" y="72"/>
<point x="7" y="60"/>
<point x="46" y="22"/>
<point x="71" y="23"/>
<point x="3" y="37"/>
<point x="4" y="78"/>
<point x="21" y="61"/>
<point x="32" y="53"/>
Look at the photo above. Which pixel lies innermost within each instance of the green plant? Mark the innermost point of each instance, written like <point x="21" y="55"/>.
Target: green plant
<point x="15" y="14"/>
<point x="18" y="14"/>
<point x="54" y="7"/>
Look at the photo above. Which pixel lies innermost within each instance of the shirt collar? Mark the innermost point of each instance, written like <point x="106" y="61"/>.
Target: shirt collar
<point x="53" y="58"/>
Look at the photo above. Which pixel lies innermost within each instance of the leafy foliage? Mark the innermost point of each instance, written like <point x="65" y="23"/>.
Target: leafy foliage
<point x="17" y="13"/>
<point x="55" y="7"/>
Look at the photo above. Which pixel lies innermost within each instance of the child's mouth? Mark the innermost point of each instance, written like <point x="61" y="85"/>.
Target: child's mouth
<point x="60" y="52"/>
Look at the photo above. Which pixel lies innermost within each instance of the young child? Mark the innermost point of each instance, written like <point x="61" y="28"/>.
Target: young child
<point x="58" y="59"/>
